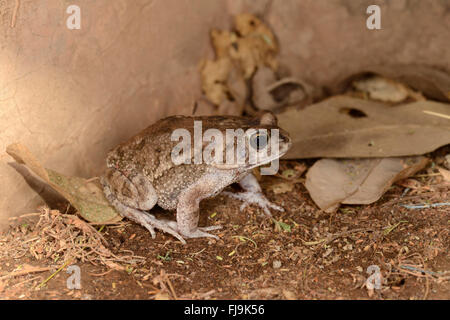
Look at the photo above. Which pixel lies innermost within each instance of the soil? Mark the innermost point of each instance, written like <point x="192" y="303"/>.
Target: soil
<point x="305" y="254"/>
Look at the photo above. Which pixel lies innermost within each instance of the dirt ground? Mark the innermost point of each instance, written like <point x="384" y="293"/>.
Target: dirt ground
<point x="305" y="254"/>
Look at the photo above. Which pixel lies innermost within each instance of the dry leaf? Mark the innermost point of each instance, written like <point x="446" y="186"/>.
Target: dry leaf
<point x="222" y="41"/>
<point x="386" y="90"/>
<point x="331" y="182"/>
<point x="258" y="44"/>
<point x="289" y="295"/>
<point x="431" y="82"/>
<point x="214" y="75"/>
<point x="269" y="93"/>
<point x="447" y="161"/>
<point x="161" y="296"/>
<point x="445" y="173"/>
<point x="112" y="265"/>
<point x="248" y="25"/>
<point x="238" y="54"/>
<point x="86" y="196"/>
<point x="281" y="187"/>
<point x="345" y="127"/>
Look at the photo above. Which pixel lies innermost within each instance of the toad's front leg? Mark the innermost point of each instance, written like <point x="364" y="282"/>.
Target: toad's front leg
<point x="253" y="195"/>
<point x="130" y="196"/>
<point x="188" y="206"/>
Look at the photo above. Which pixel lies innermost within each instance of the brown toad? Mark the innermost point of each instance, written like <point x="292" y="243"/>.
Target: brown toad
<point x="154" y="167"/>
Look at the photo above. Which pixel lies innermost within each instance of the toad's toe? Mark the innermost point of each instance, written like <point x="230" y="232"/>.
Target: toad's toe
<point x="201" y="232"/>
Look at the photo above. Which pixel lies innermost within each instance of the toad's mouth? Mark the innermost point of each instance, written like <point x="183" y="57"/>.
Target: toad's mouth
<point x="269" y="158"/>
<point x="261" y="160"/>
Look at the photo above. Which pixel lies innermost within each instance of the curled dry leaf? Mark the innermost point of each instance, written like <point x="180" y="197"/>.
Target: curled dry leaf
<point x="447" y="161"/>
<point x="269" y="93"/>
<point x="282" y="187"/>
<point x="258" y="41"/>
<point x="214" y="75"/>
<point x="386" y="90"/>
<point x="431" y="82"/>
<point x="331" y="182"/>
<point x="345" y="127"/>
<point x="238" y="55"/>
<point x="85" y="195"/>
<point x="445" y="174"/>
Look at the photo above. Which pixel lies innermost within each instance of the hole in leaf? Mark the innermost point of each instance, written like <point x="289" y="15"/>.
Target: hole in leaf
<point x="352" y="112"/>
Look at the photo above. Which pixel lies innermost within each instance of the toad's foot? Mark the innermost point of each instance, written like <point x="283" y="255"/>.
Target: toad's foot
<point x="199" y="232"/>
<point x="258" y="198"/>
<point x="150" y="222"/>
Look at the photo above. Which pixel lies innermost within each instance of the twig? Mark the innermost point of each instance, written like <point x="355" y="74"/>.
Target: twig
<point x="437" y="114"/>
<point x="389" y="229"/>
<point x="25" y="281"/>
<point x="424" y="206"/>
<point x="241" y="238"/>
<point x="53" y="274"/>
<point x="25" y="215"/>
<point x="101" y="274"/>
<point x="14" y="16"/>
<point x="335" y="236"/>
<point x="24" y="272"/>
<point x="171" y="288"/>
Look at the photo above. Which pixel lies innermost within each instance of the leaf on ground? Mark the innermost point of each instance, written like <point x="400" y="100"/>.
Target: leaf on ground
<point x="331" y="182"/>
<point x="386" y="90"/>
<point x="345" y="127"/>
<point x="280" y="225"/>
<point x="447" y="161"/>
<point x="431" y="82"/>
<point x="281" y="187"/>
<point x="445" y="173"/>
<point x="84" y="195"/>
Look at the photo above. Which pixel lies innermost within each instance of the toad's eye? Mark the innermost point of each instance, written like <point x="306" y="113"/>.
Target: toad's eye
<point x="258" y="141"/>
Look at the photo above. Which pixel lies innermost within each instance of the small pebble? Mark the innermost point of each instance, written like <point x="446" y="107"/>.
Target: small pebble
<point x="447" y="161"/>
<point x="276" y="264"/>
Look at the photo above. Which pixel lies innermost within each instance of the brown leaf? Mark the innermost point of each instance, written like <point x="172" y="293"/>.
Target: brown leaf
<point x="214" y="75"/>
<point x="331" y="182"/>
<point x="289" y="295"/>
<point x="432" y="82"/>
<point x="161" y="296"/>
<point x="85" y="195"/>
<point x="345" y="127"/>
<point x="445" y="173"/>
<point x="269" y="93"/>
<point x="282" y="187"/>
<point x="238" y="54"/>
<point x="386" y="90"/>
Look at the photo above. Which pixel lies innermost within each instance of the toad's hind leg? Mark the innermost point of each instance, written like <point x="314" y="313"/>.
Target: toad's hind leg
<point x="130" y="197"/>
